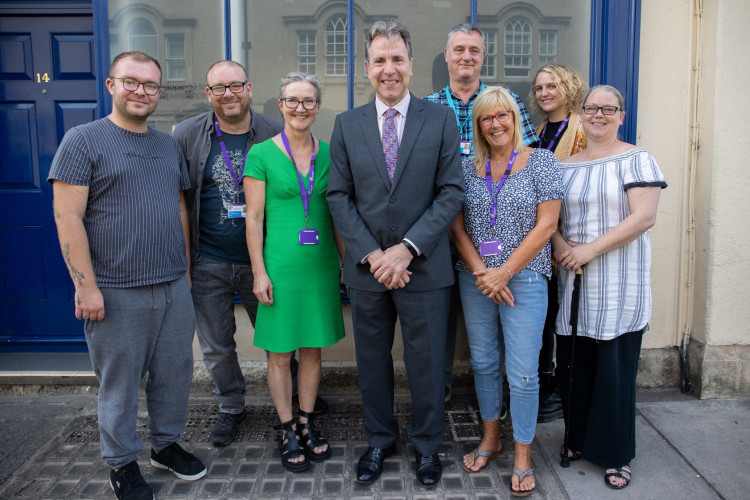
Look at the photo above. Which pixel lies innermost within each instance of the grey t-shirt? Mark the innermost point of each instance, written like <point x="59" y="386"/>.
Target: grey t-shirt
<point x="132" y="217"/>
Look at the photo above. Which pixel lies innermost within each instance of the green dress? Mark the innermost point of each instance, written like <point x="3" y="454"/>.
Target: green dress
<point x="306" y="310"/>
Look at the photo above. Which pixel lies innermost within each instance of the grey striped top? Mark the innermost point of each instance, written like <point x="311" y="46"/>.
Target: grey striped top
<point x="616" y="286"/>
<point x="132" y="218"/>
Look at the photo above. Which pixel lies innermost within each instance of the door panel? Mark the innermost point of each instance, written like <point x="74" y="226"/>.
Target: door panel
<point x="47" y="86"/>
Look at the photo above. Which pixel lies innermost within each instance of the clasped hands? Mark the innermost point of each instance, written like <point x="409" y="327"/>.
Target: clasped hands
<point x="573" y="256"/>
<point x="493" y="283"/>
<point x="390" y="266"/>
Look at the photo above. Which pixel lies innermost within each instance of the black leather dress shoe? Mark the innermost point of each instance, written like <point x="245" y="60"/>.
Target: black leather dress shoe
<point x="371" y="463"/>
<point x="429" y="470"/>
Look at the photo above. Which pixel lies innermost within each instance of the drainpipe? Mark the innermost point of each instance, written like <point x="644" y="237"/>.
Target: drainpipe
<point x="688" y="267"/>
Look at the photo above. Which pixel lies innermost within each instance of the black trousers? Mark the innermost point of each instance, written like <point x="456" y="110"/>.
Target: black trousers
<point x="602" y="410"/>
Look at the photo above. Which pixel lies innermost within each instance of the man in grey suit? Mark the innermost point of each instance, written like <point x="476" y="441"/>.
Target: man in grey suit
<point x="395" y="186"/>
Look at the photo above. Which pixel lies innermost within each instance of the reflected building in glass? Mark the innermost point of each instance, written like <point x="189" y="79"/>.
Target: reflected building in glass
<point x="272" y="38"/>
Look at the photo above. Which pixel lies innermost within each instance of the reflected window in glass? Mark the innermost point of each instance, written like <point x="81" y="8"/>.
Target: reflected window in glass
<point x="307" y="52"/>
<point x="517" y="47"/>
<point x="142" y="36"/>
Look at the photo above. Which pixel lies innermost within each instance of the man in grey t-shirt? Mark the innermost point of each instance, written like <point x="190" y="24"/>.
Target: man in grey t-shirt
<point x="122" y="223"/>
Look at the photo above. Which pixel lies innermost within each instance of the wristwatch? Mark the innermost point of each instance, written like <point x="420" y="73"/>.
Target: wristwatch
<point x="410" y="247"/>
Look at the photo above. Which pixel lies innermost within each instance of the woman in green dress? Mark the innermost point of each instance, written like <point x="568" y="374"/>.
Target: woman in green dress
<point x="296" y="268"/>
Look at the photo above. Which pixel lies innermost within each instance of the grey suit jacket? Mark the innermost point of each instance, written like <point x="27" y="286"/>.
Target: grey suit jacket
<point x="426" y="194"/>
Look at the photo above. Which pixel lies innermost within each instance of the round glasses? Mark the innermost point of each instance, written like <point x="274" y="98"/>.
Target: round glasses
<point x="220" y="90"/>
<point x="132" y="85"/>
<point x="487" y="120"/>
<point x="293" y="102"/>
<point x="606" y="110"/>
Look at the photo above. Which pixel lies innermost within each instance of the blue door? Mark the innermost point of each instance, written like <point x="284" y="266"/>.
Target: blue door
<point x="47" y="86"/>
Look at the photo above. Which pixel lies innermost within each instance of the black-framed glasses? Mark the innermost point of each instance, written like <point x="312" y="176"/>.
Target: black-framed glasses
<point x="220" y="90"/>
<point x="487" y="120"/>
<point x="293" y="102"/>
<point x="132" y="85"/>
<point x="606" y="110"/>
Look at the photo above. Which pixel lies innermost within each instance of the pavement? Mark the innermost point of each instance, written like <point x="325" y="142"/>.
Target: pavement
<point x="686" y="449"/>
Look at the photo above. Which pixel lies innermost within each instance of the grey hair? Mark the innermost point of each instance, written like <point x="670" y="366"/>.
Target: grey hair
<point x="390" y="29"/>
<point x="467" y="28"/>
<point x="299" y="76"/>
<point x="611" y="90"/>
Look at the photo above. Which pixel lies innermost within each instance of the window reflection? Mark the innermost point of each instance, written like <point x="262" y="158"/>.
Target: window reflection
<point x="272" y="38"/>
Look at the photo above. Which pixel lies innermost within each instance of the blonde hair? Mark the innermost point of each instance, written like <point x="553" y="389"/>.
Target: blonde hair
<point x="489" y="100"/>
<point x="569" y="84"/>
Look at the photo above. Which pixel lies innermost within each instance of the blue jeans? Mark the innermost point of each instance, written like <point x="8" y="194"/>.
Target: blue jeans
<point x="214" y="285"/>
<point x="522" y="332"/>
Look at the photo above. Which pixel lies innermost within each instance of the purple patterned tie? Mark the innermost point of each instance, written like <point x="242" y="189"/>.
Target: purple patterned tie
<point x="390" y="142"/>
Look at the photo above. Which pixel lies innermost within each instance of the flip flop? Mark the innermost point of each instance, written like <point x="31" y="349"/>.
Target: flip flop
<point x="481" y="453"/>
<point x="521" y="476"/>
<point x="623" y="472"/>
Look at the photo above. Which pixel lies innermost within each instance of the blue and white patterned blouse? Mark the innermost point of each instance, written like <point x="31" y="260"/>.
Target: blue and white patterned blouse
<point x="516" y="208"/>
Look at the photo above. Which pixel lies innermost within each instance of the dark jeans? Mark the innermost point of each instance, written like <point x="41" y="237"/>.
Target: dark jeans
<point x="214" y="285"/>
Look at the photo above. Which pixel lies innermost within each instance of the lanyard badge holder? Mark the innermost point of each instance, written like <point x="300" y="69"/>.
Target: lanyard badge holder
<point x="466" y="146"/>
<point x="307" y="236"/>
<point x="236" y="210"/>
<point x="491" y="247"/>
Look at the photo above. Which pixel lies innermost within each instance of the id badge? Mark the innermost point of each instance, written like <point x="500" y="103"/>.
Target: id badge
<point x="490" y="247"/>
<point x="237" y="211"/>
<point x="308" y="237"/>
<point x="465" y="147"/>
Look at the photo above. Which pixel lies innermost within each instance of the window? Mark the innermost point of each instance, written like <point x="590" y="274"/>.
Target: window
<point x="489" y="68"/>
<point x="547" y="47"/>
<point x="142" y="36"/>
<point x="336" y="41"/>
<point x="175" y="49"/>
<point x="517" y="47"/>
<point x="307" y="51"/>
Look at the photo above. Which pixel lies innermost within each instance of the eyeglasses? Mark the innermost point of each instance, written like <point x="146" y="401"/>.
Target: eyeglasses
<point x="606" y="110"/>
<point x="220" y="90"/>
<point x="132" y="85"/>
<point x="293" y="102"/>
<point x="487" y="120"/>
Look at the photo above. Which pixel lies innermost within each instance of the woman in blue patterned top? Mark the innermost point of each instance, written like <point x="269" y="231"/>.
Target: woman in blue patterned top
<point x="502" y="233"/>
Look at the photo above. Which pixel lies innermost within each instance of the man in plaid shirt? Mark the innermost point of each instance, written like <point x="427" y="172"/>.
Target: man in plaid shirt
<point x="464" y="54"/>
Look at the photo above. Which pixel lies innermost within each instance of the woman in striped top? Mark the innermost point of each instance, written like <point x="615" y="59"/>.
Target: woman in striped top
<point x="612" y="191"/>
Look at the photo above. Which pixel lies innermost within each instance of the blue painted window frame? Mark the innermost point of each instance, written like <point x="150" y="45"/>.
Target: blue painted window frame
<point x="615" y="42"/>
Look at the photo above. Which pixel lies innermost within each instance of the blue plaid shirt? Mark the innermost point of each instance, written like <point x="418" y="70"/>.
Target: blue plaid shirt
<point x="467" y="130"/>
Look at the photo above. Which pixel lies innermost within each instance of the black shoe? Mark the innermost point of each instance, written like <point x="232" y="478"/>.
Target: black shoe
<point x="224" y="430"/>
<point x="550" y="405"/>
<point x="128" y="484"/>
<point x="503" y="411"/>
<point x="370" y="465"/>
<point x="429" y="470"/>
<point x="181" y="463"/>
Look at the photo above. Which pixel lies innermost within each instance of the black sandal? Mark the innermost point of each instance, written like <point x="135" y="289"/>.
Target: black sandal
<point x="572" y="455"/>
<point x="623" y="473"/>
<point x="292" y="448"/>
<point x="312" y="439"/>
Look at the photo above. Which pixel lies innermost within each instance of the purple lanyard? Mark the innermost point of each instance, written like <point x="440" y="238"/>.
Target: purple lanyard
<point x="557" y="135"/>
<point x="224" y="148"/>
<point x="305" y="195"/>
<point x="488" y="177"/>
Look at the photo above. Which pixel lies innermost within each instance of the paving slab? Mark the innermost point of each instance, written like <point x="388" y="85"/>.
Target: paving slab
<point x="68" y="464"/>
<point x="686" y="449"/>
<point x="29" y="422"/>
<point x="712" y="435"/>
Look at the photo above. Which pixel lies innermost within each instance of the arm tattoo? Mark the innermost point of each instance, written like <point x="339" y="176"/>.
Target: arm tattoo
<point x="75" y="274"/>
